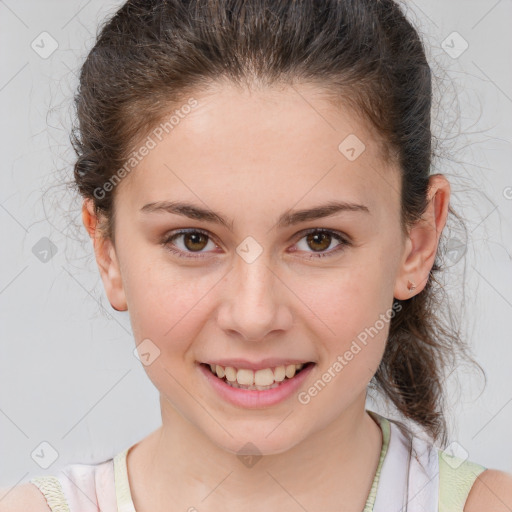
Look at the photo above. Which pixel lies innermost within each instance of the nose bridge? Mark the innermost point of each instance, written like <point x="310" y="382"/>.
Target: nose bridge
<point x="256" y="281"/>
<point x="254" y="305"/>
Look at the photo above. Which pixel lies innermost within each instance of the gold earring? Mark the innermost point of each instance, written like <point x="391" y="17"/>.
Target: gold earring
<point x="411" y="286"/>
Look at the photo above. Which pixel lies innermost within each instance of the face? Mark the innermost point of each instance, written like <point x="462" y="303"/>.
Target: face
<point x="269" y="283"/>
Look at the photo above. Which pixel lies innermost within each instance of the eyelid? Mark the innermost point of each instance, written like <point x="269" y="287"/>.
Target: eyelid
<point x="304" y="232"/>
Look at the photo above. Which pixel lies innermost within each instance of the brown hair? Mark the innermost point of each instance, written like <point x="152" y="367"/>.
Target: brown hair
<point x="151" y="55"/>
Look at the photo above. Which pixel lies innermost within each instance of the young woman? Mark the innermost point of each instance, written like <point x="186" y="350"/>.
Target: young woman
<point x="257" y="185"/>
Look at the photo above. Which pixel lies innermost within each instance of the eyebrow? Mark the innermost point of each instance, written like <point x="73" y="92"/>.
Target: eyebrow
<point x="288" y="218"/>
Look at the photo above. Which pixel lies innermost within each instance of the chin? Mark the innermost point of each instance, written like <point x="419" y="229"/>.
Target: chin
<point x="253" y="441"/>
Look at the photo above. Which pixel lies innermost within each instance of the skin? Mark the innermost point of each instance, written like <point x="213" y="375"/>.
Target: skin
<point x="251" y="156"/>
<point x="322" y="454"/>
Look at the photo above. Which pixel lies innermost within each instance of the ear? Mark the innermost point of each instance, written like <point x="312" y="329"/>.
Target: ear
<point x="106" y="258"/>
<point x="422" y="242"/>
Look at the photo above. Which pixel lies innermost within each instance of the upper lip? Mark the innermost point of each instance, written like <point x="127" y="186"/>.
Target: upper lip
<point x="255" y="365"/>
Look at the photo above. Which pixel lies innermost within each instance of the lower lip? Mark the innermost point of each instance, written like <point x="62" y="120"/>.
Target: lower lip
<point x="254" y="399"/>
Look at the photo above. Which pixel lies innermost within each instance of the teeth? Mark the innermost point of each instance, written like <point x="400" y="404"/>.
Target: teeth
<point x="259" y="388"/>
<point x="249" y="379"/>
<point x="264" y="377"/>
<point x="290" y="371"/>
<point x="220" y="372"/>
<point x="230" y="373"/>
<point x="245" y="377"/>
<point x="279" y="373"/>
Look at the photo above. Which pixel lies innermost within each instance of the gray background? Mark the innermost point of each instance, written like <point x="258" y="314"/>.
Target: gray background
<point x="68" y="374"/>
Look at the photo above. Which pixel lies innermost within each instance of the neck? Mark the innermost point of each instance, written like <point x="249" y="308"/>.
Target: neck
<point x="331" y="467"/>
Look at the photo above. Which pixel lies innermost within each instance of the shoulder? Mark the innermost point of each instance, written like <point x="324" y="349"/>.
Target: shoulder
<point x="492" y="490"/>
<point x="21" y="498"/>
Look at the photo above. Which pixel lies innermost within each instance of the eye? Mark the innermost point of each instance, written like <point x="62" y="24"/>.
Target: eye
<point x="195" y="240"/>
<point x="321" y="239"/>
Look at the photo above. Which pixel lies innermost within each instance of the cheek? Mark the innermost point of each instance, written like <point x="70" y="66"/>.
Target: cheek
<point x="167" y="314"/>
<point x="166" y="304"/>
<point x="351" y="330"/>
<point x="350" y="311"/>
<point x="347" y="299"/>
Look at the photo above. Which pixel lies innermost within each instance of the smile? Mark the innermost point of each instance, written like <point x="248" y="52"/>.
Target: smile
<point x="260" y="380"/>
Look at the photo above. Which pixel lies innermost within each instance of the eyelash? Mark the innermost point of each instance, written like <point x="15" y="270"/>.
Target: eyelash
<point x="344" y="242"/>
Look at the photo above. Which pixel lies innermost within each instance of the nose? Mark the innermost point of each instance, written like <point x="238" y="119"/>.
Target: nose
<point x="255" y="301"/>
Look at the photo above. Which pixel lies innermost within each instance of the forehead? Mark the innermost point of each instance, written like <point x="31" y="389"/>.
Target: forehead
<point x="243" y="147"/>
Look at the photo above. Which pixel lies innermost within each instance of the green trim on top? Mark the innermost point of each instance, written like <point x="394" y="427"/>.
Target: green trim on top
<point x="122" y="484"/>
<point x="52" y="490"/>
<point x="456" y="478"/>
<point x="386" y="429"/>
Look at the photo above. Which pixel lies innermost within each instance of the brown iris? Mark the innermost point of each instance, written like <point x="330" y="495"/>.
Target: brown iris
<point x="323" y="238"/>
<point x="198" y="241"/>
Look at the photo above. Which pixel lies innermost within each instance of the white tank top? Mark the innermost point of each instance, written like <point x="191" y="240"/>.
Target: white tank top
<point x="412" y="476"/>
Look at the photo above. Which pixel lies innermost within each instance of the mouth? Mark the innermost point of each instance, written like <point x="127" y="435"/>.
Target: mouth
<point x="259" y="380"/>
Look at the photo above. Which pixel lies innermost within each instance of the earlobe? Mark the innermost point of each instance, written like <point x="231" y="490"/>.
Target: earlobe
<point x="106" y="258"/>
<point x="422" y="242"/>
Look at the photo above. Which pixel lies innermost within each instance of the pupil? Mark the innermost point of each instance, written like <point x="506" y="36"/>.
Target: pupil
<point x="318" y="238"/>
<point x="195" y="237"/>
